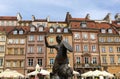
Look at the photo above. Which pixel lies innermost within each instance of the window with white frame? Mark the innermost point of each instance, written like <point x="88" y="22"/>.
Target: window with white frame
<point x="103" y="49"/>
<point x="39" y="61"/>
<point x="21" y="51"/>
<point x="112" y="59"/>
<point x="77" y="47"/>
<point x="2" y="38"/>
<point x="117" y="39"/>
<point x="21" y="32"/>
<point x="104" y="61"/>
<point x="39" y="49"/>
<point x="109" y="30"/>
<point x="92" y="36"/>
<point x="32" y="29"/>
<point x="86" y="60"/>
<point x="83" y="24"/>
<point x="66" y="39"/>
<point x="78" y="60"/>
<point x="103" y="31"/>
<point x="65" y="30"/>
<point x="15" y="50"/>
<point x="21" y="63"/>
<point x="14" y="64"/>
<point x="22" y="41"/>
<point x="118" y="49"/>
<point x="31" y="49"/>
<point x="40" y="29"/>
<point x="51" y="30"/>
<point x="85" y="36"/>
<point x="51" y="39"/>
<point x="76" y="36"/>
<point x="40" y="38"/>
<point x="10" y="41"/>
<point x="15" y="41"/>
<point x="31" y="38"/>
<point x="110" y="49"/>
<point x="94" y="61"/>
<point x="2" y="48"/>
<point x="58" y="30"/>
<point x="93" y="48"/>
<point x="85" y="48"/>
<point x="118" y="59"/>
<point x="8" y="63"/>
<point x="109" y="39"/>
<point x="51" y="61"/>
<point x="51" y="50"/>
<point x="1" y="61"/>
<point x="15" y="32"/>
<point x="30" y="62"/>
<point x="101" y="39"/>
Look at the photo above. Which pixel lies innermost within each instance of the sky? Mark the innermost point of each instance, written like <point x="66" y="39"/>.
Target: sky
<point x="57" y="9"/>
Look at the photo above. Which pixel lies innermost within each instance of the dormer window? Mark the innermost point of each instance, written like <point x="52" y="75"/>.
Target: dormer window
<point x="83" y="24"/>
<point x="21" y="32"/>
<point x="118" y="23"/>
<point x="40" y="29"/>
<point x="65" y="30"/>
<point x="15" y="32"/>
<point x="32" y="29"/>
<point x="103" y="31"/>
<point x="58" y="30"/>
<point x="109" y="30"/>
<point x="51" y="30"/>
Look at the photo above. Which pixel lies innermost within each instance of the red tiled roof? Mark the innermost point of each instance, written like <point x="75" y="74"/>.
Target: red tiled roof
<point x="8" y="18"/>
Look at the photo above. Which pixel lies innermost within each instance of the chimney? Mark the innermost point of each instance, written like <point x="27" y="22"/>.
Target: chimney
<point x="19" y="17"/>
<point x="33" y="18"/>
<point x="117" y="17"/>
<point x="48" y="18"/>
<point x="87" y="16"/>
<point x="108" y="18"/>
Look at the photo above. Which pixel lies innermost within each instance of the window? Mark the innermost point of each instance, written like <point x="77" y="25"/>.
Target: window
<point x="101" y="39"/>
<point x="30" y="49"/>
<point x="66" y="39"/>
<point x="21" y="51"/>
<point x="109" y="39"/>
<point x="51" y="50"/>
<point x="85" y="36"/>
<point x="10" y="41"/>
<point x="78" y="60"/>
<point x="103" y="50"/>
<point x="118" y="49"/>
<point x="15" y="32"/>
<point x="2" y="38"/>
<point x="51" y="40"/>
<point x="109" y="30"/>
<point x="117" y="39"/>
<point x="103" y="31"/>
<point x="31" y="37"/>
<point x="92" y="36"/>
<point x="10" y="51"/>
<point x="14" y="64"/>
<point x="32" y="29"/>
<point x="83" y="24"/>
<point x="1" y="61"/>
<point x="51" y="61"/>
<point x="93" y="48"/>
<point x="58" y="30"/>
<point x="30" y="62"/>
<point x="112" y="59"/>
<point x="110" y="49"/>
<point x="39" y="49"/>
<point x="15" y="50"/>
<point x="40" y="38"/>
<point x="104" y="61"/>
<point x="40" y="29"/>
<point x="65" y="30"/>
<point x="22" y="41"/>
<point x="76" y="36"/>
<point x="21" y="63"/>
<point x="86" y="60"/>
<point x="77" y="47"/>
<point x="8" y="63"/>
<point x="15" y="41"/>
<point x="2" y="23"/>
<point x="40" y="62"/>
<point x="21" y="32"/>
<point x="85" y="48"/>
<point x="51" y="30"/>
<point x="2" y="49"/>
<point x="119" y="59"/>
<point x="94" y="61"/>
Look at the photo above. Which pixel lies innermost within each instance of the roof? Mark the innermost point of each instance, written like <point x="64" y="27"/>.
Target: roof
<point x="8" y="18"/>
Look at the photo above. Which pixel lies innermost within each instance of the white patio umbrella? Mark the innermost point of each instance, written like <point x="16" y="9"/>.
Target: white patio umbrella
<point x="95" y="73"/>
<point x="104" y="73"/>
<point x="10" y="73"/>
<point x="76" y="73"/>
<point x="44" y="72"/>
<point x="86" y="73"/>
<point x="33" y="73"/>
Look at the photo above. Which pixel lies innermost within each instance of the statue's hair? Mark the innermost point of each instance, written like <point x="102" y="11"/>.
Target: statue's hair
<point x="59" y="36"/>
